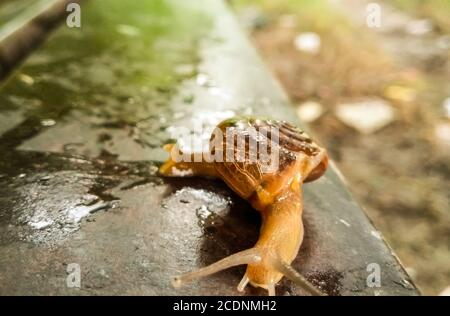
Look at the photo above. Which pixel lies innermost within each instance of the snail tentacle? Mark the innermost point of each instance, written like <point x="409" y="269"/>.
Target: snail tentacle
<point x="186" y="165"/>
<point x="271" y="289"/>
<point x="249" y="256"/>
<point x="289" y="272"/>
<point x="243" y="283"/>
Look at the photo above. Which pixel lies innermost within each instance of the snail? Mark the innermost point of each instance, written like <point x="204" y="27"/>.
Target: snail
<point x="275" y="192"/>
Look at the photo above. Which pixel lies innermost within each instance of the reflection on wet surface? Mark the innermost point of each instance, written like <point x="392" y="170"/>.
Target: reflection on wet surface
<point x="42" y="202"/>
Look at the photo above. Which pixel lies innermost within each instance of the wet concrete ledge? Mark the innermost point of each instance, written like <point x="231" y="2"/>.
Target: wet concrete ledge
<point x="83" y="121"/>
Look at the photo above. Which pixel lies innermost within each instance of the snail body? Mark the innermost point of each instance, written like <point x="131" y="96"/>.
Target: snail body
<point x="275" y="192"/>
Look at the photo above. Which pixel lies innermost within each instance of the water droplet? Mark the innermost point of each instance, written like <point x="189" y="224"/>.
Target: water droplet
<point x="202" y="80"/>
<point x="26" y="79"/>
<point x="48" y="122"/>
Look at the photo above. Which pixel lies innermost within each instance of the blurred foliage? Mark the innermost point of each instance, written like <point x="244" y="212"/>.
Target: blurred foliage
<point x="316" y="14"/>
<point x="348" y="64"/>
<point x="437" y="10"/>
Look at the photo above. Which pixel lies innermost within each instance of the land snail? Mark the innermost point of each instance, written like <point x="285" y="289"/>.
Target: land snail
<point x="275" y="192"/>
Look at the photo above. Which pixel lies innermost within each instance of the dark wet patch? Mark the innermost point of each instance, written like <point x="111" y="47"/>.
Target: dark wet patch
<point x="44" y="198"/>
<point x="104" y="137"/>
<point x="328" y="281"/>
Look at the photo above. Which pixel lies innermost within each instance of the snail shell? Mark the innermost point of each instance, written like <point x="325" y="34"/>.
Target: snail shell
<point x="291" y="151"/>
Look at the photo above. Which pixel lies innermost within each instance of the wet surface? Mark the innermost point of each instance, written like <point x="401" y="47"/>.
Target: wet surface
<point x="81" y="142"/>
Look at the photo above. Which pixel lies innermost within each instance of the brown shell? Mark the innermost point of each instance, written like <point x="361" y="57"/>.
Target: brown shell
<point x="294" y="147"/>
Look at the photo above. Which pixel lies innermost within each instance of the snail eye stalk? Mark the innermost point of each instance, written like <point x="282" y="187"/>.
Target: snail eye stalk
<point x="243" y="283"/>
<point x="271" y="289"/>
<point x="289" y="272"/>
<point x="249" y="256"/>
